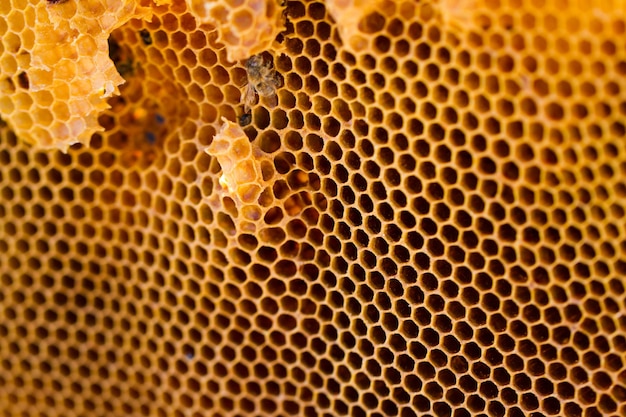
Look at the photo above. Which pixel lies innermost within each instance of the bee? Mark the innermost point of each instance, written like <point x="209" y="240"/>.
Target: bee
<point x="123" y="64"/>
<point x="56" y="1"/>
<point x="145" y="37"/>
<point x="245" y="119"/>
<point x="262" y="80"/>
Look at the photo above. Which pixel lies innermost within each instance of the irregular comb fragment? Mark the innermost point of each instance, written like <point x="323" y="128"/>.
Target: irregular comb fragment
<point x="245" y="27"/>
<point x="354" y="18"/>
<point x="241" y="169"/>
<point x="61" y="75"/>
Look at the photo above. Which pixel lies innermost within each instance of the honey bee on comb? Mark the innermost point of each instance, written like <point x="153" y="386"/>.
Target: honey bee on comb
<point x="245" y="119"/>
<point x="145" y="37"/>
<point x="121" y="58"/>
<point x="56" y="1"/>
<point x="262" y="80"/>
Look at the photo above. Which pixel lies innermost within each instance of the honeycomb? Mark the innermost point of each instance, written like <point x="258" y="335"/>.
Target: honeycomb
<point x="430" y="222"/>
<point x="55" y="72"/>
<point x="245" y="27"/>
